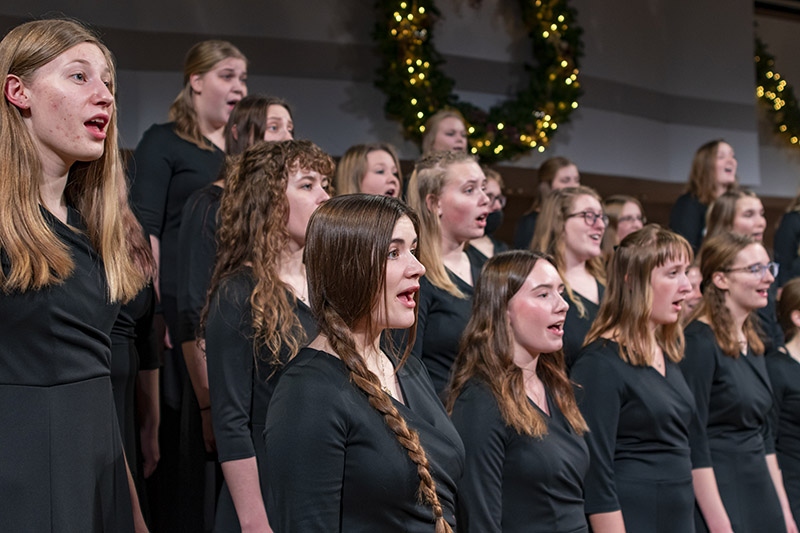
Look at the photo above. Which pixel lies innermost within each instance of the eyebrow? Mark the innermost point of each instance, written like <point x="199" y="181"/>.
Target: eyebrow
<point x="546" y="286"/>
<point x="86" y="63"/>
<point x="402" y="241"/>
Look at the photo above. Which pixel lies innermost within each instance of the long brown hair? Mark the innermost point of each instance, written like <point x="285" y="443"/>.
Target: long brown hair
<point x="200" y="59"/>
<point x="486" y="351"/>
<point x="38" y="257"/>
<point x="428" y="179"/>
<point x="353" y="166"/>
<point x="722" y="212"/>
<point x="627" y="303"/>
<point x="703" y="175"/>
<point x="252" y="232"/>
<point x="717" y="255"/>
<point x="344" y="294"/>
<point x="248" y="121"/>
<point x="548" y="237"/>
<point x="546" y="174"/>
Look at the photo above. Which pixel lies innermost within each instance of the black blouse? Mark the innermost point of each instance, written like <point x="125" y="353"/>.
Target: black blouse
<point x="334" y="465"/>
<point x="523" y="233"/>
<point x="784" y="374"/>
<point x="517" y="483"/>
<point x="787" y="247"/>
<point x="576" y="326"/>
<point x="165" y="171"/>
<point x="688" y="218"/>
<point x="441" y="321"/>
<point x="638" y="427"/>
<point x="197" y="251"/>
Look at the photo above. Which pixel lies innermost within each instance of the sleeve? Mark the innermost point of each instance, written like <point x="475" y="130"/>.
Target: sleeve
<point x="146" y="344"/>
<point x="687" y="218"/>
<point x="151" y="173"/>
<point x="786" y="243"/>
<point x="230" y="360"/>
<point x="197" y="244"/>
<point x="523" y="233"/>
<point x="306" y="435"/>
<point x="698" y="367"/>
<point x="778" y="392"/>
<point x="480" y="491"/>
<point x="599" y="393"/>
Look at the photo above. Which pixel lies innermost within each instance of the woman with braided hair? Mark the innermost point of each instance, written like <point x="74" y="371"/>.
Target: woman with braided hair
<point x="356" y="438"/>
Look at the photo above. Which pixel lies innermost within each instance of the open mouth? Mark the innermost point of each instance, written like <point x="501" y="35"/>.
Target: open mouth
<point x="407" y="297"/>
<point x="390" y="192"/>
<point x="596" y="237"/>
<point x="677" y="305"/>
<point x="97" y="126"/>
<point x="762" y="292"/>
<point x="759" y="236"/>
<point x="482" y="219"/>
<point x="556" y="329"/>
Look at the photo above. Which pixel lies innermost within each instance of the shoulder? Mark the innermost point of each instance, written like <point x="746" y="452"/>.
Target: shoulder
<point x="312" y="372"/>
<point x="476" y="405"/>
<point x="698" y="331"/>
<point x="160" y="132"/>
<point x="596" y="359"/>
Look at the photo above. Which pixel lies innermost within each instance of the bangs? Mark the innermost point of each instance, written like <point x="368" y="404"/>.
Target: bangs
<point x="673" y="247"/>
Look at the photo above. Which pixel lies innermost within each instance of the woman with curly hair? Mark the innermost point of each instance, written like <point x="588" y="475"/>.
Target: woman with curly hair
<point x="257" y="316"/>
<point x="633" y="395"/>
<point x="513" y="405"/>
<point x="737" y="481"/>
<point x="357" y="439"/>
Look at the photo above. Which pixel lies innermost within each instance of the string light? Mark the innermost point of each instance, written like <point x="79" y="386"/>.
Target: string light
<point x="775" y="91"/>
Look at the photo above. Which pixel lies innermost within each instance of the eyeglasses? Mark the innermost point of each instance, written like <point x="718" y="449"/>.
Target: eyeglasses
<point x="758" y="269"/>
<point x="590" y="218"/>
<point x="632" y="218"/>
<point x="499" y="198"/>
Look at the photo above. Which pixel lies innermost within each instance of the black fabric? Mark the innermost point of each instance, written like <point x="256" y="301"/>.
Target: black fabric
<point x="517" y="483"/>
<point x="441" y="320"/>
<point x="523" y="233"/>
<point x="165" y="171"/>
<point x="241" y="382"/>
<point x="197" y="250"/>
<point x="61" y="456"/>
<point x="576" y="326"/>
<point x="688" y="218"/>
<point x="786" y="246"/>
<point x="784" y="374"/>
<point x="771" y="332"/>
<point x="334" y="465"/>
<point x="733" y="398"/>
<point x="638" y="438"/>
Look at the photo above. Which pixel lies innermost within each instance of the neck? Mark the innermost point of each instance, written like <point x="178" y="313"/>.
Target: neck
<point x="573" y="263"/>
<point x="793" y="347"/>
<point x="212" y="132"/>
<point x="451" y="249"/>
<point x="526" y="360"/>
<point x="368" y="345"/>
<point x="291" y="261"/>
<point x="739" y="317"/>
<point x="51" y="190"/>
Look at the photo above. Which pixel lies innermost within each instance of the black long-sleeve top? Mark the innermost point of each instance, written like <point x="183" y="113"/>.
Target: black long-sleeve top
<point x="576" y="326"/>
<point x="441" y="320"/>
<point x="688" y="218"/>
<point x="523" y="232"/>
<point x="334" y="464"/>
<point x="639" y="425"/>
<point x="197" y="250"/>
<point x="787" y="247"/>
<point x="784" y="374"/>
<point x="165" y="171"/>
<point x="517" y="483"/>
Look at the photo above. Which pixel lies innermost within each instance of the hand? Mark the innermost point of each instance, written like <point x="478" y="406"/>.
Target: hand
<point x="791" y="527"/>
<point x="208" y="431"/>
<point x="151" y="452"/>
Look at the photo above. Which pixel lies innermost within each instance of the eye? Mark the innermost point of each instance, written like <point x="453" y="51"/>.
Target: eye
<point x="394" y="253"/>
<point x="79" y="76"/>
<point x="469" y="190"/>
<point x="326" y="185"/>
<point x="414" y="251"/>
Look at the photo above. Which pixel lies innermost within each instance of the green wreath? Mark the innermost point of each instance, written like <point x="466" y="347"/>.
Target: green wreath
<point x="416" y="87"/>
<point x="778" y="95"/>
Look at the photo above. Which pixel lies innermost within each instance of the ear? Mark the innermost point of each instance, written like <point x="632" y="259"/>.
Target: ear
<point x="235" y="132"/>
<point x="196" y="83"/>
<point x="795" y="316"/>
<point x="16" y="92"/>
<point x="433" y="205"/>
<point x="720" y="280"/>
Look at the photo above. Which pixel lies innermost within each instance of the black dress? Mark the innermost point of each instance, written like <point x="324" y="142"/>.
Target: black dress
<point x="334" y="465"/>
<point x="733" y="398"/>
<point x="197" y="251"/>
<point x="61" y="456"/>
<point x="638" y="439"/>
<point x="241" y="382"/>
<point x="787" y="247"/>
<point x="517" y="483"/>
<point x="523" y="233"/>
<point x="576" y="326"/>
<point x="784" y="374"/>
<point x="688" y="218"/>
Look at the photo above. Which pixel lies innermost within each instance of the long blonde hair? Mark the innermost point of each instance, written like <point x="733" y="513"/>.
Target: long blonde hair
<point x="38" y="257"/>
<point x="200" y="59"/>
<point x="428" y="179"/>
<point x="353" y="166"/>
<point x="628" y="300"/>
<point x="432" y="127"/>
<point x="548" y="237"/>
<point x="486" y="351"/>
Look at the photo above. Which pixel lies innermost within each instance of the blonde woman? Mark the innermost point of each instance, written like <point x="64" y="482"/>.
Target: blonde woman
<point x="625" y="215"/>
<point x="445" y="131"/>
<point x="371" y="169"/>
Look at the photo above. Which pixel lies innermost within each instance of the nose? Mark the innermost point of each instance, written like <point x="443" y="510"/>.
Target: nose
<point x="323" y="196"/>
<point x="561" y="304"/>
<point x="768" y="276"/>
<point x="685" y="286"/>
<point x="240" y="86"/>
<point x="103" y="94"/>
<point x="415" y="269"/>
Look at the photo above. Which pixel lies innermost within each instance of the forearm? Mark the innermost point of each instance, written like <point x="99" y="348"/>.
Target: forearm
<point x="709" y="500"/>
<point x="147" y="399"/>
<point x="194" y="353"/>
<point x="139" y="524"/>
<point x="155" y="247"/>
<point x="242" y="479"/>
<point x="607" y="522"/>
<point x="777" y="480"/>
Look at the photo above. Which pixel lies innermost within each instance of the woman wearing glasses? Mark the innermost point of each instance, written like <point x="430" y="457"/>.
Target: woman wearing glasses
<point x="570" y="229"/>
<point x="737" y="482"/>
<point x="488" y="245"/>
<point x="625" y="215"/>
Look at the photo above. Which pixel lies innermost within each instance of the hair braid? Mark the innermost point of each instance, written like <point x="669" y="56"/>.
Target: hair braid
<point x="341" y="341"/>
